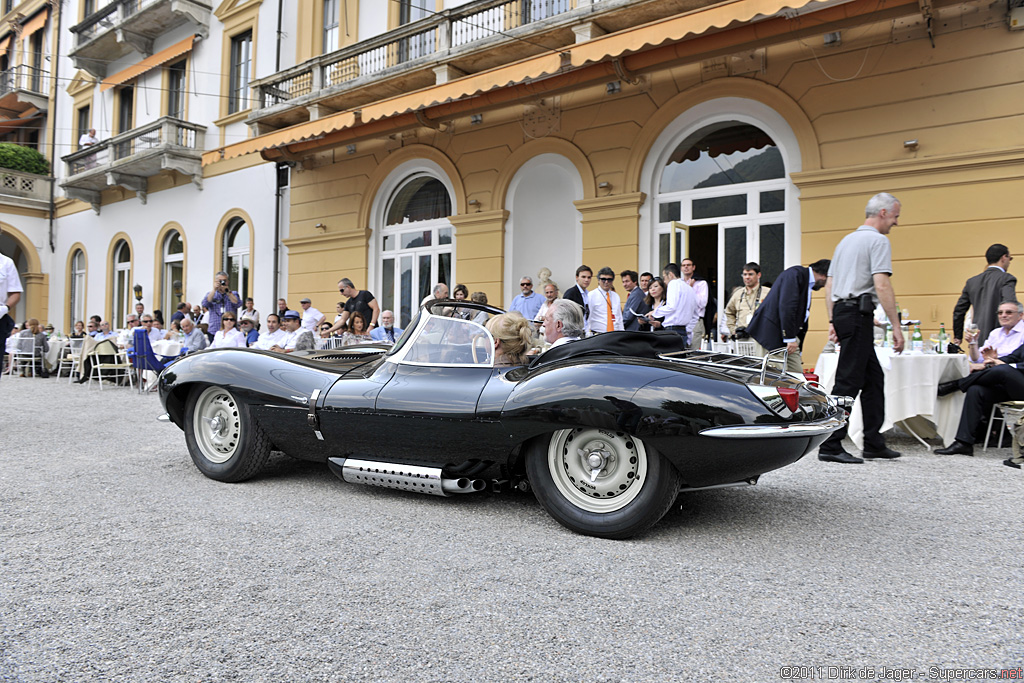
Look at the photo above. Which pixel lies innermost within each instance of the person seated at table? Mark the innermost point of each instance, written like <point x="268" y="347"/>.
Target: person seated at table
<point x="248" y="326"/>
<point x="124" y="337"/>
<point x="105" y="332"/>
<point x="195" y="340"/>
<point x="33" y="338"/>
<point x="296" y="338"/>
<point x="1003" y="339"/>
<point x="513" y="338"/>
<point x="1000" y="379"/>
<point x="357" y="331"/>
<point x="154" y="334"/>
<point x="92" y="327"/>
<point x="228" y="335"/>
<point x="272" y="335"/>
<point x="79" y="332"/>
<point x="173" y="331"/>
<point x="324" y="327"/>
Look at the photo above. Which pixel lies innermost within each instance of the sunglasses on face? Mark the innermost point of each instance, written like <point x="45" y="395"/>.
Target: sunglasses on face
<point x="231" y="319"/>
<point x="606" y="279"/>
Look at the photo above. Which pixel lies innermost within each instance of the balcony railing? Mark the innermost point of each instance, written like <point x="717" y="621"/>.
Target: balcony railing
<point x="163" y="134"/>
<point x="138" y="23"/>
<point x="25" y="78"/>
<point x="425" y="38"/>
<point x="24" y="185"/>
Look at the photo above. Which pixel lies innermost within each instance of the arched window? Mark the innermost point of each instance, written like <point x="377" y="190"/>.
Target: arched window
<point x="77" y="279"/>
<point x="236" y="257"/>
<point x="122" y="304"/>
<point x="173" y="272"/>
<point x="416" y="245"/>
<point x="723" y="192"/>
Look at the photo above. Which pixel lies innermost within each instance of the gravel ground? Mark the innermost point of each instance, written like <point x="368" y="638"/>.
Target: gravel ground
<point x="120" y="562"/>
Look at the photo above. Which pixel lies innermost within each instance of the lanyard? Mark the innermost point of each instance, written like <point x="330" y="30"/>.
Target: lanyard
<point x="757" y="299"/>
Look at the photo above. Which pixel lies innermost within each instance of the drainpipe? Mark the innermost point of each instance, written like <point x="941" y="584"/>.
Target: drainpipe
<point x="55" y="59"/>
<point x="281" y="181"/>
<point x="277" y="61"/>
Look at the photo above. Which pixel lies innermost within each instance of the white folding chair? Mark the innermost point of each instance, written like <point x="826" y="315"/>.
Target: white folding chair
<point x="23" y="350"/>
<point x="746" y="348"/>
<point x="1011" y="409"/>
<point x="71" y="356"/>
<point x="119" y="369"/>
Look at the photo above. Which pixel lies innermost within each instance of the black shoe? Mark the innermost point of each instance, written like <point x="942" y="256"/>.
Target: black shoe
<point x="1010" y="463"/>
<point x="956" y="448"/>
<point x="82" y="381"/>
<point x="841" y="457"/>
<point x="946" y="388"/>
<point x="885" y="453"/>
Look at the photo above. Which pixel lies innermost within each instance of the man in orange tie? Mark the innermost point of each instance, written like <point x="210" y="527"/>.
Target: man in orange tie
<point x="605" y="306"/>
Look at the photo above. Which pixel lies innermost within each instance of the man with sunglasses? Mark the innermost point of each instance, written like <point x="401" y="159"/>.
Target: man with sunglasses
<point x="358" y="300"/>
<point x="1005" y="338"/>
<point x="527" y="302"/>
<point x="605" y="305"/>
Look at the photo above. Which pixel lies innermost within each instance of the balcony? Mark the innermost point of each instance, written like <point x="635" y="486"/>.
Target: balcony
<point x="125" y="25"/>
<point x="22" y="88"/>
<point x="128" y="160"/>
<point x="24" y="189"/>
<point x="471" y="38"/>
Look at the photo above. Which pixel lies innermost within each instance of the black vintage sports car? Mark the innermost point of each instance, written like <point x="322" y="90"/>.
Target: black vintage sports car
<point x="606" y="431"/>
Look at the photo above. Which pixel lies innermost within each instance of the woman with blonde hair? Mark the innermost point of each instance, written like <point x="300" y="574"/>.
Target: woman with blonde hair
<point x="513" y="338"/>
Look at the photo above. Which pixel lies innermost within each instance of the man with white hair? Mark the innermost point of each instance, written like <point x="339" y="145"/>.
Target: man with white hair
<point x="858" y="280"/>
<point x="563" y="322"/>
<point x="440" y="292"/>
<point x="195" y="340"/>
<point x="387" y="332"/>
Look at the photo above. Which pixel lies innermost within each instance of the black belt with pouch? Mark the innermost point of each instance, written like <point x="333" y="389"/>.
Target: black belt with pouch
<point x="865" y="303"/>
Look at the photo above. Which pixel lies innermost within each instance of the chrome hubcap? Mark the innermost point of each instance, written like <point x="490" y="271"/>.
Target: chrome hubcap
<point x="218" y="427"/>
<point x="597" y="470"/>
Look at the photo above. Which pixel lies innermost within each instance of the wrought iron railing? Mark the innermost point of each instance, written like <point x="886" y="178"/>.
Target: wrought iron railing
<point x="24" y="77"/>
<point x="165" y="132"/>
<point x="425" y="38"/>
<point x="26" y="185"/>
<point x="109" y="16"/>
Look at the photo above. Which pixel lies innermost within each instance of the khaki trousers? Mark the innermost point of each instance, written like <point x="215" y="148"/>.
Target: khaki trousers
<point x="794" y="363"/>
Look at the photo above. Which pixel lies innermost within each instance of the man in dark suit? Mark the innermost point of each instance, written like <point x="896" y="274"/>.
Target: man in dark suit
<point x="985" y="292"/>
<point x="578" y="292"/>
<point x="1001" y="380"/>
<point x="781" y="319"/>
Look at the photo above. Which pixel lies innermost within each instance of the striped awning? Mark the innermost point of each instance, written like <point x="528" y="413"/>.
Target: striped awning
<point x="151" y="62"/>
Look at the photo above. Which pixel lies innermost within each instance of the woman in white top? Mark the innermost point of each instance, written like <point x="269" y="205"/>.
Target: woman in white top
<point x="228" y="335"/>
<point x="656" y="299"/>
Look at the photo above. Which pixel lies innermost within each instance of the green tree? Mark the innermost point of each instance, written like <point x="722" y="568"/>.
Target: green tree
<point x="21" y="158"/>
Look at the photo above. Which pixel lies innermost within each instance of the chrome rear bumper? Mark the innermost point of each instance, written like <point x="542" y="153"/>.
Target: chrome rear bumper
<point x="776" y="431"/>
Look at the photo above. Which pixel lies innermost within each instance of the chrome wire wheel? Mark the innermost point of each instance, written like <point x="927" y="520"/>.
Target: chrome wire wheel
<point x="217" y="425"/>
<point x="597" y="470"/>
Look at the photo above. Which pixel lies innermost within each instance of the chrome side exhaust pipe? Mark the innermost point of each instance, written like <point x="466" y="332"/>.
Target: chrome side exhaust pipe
<point x="402" y="477"/>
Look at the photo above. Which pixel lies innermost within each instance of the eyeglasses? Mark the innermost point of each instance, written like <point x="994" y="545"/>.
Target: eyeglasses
<point x="147" y="322"/>
<point x="606" y="279"/>
<point x="1007" y="312"/>
<point x="231" y="319"/>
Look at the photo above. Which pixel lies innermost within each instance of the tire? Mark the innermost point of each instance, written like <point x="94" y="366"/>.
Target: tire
<point x="632" y="491"/>
<point x="225" y="441"/>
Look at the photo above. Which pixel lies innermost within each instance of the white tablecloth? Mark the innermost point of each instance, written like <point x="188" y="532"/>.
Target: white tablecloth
<point x="52" y="356"/>
<point x="166" y="347"/>
<point x="911" y="383"/>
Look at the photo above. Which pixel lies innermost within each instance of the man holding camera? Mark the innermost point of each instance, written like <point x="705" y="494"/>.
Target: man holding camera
<point x="744" y="301"/>
<point x="220" y="300"/>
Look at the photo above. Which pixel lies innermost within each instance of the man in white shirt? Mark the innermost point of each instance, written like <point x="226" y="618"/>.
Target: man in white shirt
<point x="550" y="294"/>
<point x="296" y="338"/>
<point x="10" y="295"/>
<point x="680" y="308"/>
<point x="272" y="336"/>
<point x="563" y="322"/>
<point x="605" y="305"/>
<point x="1006" y="338"/>
<point x="311" y="318"/>
<point x="695" y="329"/>
<point x="440" y="291"/>
<point x="88" y="139"/>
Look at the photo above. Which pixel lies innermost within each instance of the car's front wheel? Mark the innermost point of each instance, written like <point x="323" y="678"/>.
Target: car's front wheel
<point x="601" y="483"/>
<point x="225" y="441"/>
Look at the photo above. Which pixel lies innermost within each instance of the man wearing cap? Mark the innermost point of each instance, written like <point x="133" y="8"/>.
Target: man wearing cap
<point x="311" y="317"/>
<point x="249" y="330"/>
<point x="296" y="338"/>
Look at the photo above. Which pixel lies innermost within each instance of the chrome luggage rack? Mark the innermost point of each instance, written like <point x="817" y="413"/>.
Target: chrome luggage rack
<point x="775" y="360"/>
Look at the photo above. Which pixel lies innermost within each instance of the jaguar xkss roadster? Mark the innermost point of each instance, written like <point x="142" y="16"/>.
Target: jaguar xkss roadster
<point x="606" y="431"/>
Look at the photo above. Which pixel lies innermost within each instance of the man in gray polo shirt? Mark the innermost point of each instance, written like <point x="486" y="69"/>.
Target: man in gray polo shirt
<point x="861" y="266"/>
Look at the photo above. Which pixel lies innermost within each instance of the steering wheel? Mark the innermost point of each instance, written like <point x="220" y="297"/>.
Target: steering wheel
<point x="482" y="346"/>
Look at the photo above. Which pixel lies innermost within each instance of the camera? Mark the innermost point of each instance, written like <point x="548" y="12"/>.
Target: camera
<point x="741" y="333"/>
<point x="223" y="283"/>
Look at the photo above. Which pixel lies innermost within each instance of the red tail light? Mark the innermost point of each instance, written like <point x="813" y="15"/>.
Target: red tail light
<point x="790" y="397"/>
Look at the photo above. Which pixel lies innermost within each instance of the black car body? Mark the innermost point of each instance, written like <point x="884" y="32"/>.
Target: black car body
<point x="606" y="431"/>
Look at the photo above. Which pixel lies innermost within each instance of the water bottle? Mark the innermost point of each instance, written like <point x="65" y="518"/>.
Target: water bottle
<point x="917" y="341"/>
<point x="943" y="339"/>
<point x="888" y="336"/>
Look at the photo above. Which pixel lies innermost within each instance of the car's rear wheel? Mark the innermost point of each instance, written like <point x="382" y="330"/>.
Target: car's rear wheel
<point x="225" y="441"/>
<point x="601" y="483"/>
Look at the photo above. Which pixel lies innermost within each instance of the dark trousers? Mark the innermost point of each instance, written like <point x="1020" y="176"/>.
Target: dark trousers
<point x="6" y="325"/>
<point x="681" y="331"/>
<point x="983" y="389"/>
<point x="858" y="372"/>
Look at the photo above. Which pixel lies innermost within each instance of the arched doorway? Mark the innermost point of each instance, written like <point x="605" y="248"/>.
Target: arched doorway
<point x="544" y="227"/>
<point x="237" y="257"/>
<point x="719" y="178"/>
<point x="12" y="248"/>
<point x="173" y="274"/>
<point x="76" y="287"/>
<point x="121" y="305"/>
